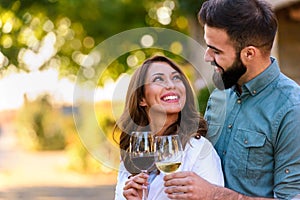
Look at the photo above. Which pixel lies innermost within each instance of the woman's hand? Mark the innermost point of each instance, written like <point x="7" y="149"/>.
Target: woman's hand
<point x="133" y="189"/>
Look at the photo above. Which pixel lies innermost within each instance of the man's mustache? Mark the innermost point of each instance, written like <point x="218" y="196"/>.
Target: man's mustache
<point x="214" y="63"/>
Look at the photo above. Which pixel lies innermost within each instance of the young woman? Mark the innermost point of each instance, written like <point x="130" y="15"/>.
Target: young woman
<point x="160" y="98"/>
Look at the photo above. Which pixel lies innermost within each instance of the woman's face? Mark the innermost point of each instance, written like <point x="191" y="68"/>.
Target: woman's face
<point x="165" y="91"/>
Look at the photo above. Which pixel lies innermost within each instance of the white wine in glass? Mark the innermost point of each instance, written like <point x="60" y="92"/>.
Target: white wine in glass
<point x="168" y="153"/>
<point x="141" y="149"/>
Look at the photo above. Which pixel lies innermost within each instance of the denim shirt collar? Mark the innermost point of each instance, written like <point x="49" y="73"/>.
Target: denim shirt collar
<point x="261" y="81"/>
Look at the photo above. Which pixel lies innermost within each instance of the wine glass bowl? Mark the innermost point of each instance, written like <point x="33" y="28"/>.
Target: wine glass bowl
<point x="168" y="153"/>
<point x="141" y="152"/>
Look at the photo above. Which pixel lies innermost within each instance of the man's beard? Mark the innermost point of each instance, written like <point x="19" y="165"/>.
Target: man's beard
<point x="227" y="79"/>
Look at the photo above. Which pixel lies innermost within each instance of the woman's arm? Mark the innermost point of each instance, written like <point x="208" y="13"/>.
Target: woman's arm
<point x="122" y="178"/>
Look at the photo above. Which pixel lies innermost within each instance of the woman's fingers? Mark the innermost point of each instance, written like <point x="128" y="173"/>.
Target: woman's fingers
<point x="138" y="182"/>
<point x="134" y="185"/>
<point x="130" y="193"/>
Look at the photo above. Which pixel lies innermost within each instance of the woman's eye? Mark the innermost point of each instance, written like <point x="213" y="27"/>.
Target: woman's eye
<point x="177" y="77"/>
<point x="158" y="79"/>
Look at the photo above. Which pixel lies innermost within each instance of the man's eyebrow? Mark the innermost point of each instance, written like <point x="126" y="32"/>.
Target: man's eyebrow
<point x="215" y="48"/>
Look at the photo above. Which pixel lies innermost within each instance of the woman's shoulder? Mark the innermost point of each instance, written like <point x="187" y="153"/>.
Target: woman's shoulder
<point x="202" y="141"/>
<point x="200" y="146"/>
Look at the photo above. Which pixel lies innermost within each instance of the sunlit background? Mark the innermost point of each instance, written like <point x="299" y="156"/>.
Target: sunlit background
<point x="44" y="44"/>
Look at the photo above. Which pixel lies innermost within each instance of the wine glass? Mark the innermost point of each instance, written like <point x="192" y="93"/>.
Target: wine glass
<point x="141" y="149"/>
<point x="168" y="153"/>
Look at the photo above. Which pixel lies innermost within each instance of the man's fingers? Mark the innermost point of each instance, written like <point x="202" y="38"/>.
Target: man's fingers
<point x="177" y="175"/>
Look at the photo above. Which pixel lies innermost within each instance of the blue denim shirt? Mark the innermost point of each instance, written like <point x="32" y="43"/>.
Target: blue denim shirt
<point x="257" y="135"/>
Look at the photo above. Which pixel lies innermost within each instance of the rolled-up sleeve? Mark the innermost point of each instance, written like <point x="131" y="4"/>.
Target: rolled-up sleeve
<point x="287" y="155"/>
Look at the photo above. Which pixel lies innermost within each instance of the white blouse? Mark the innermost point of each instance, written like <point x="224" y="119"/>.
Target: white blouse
<point x="200" y="157"/>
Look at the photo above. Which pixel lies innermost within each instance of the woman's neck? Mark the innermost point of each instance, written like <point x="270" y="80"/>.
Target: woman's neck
<point x="159" y="124"/>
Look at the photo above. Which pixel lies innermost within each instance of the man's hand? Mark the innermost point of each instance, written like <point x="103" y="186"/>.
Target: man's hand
<point x="188" y="185"/>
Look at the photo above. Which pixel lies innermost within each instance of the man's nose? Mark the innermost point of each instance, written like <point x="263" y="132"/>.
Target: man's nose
<point x="208" y="56"/>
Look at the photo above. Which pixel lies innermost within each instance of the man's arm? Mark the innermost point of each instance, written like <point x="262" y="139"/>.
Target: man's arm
<point x="225" y="193"/>
<point x="189" y="186"/>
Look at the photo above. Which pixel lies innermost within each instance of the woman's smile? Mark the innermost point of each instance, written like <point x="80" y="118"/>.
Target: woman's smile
<point x="170" y="98"/>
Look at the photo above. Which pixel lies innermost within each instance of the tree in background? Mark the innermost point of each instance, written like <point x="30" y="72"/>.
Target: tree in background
<point x="49" y="33"/>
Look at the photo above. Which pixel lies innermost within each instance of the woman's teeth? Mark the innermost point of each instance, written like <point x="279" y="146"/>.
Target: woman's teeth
<point x="167" y="98"/>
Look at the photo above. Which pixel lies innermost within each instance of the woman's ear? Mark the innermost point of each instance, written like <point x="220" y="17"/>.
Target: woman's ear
<point x="143" y="102"/>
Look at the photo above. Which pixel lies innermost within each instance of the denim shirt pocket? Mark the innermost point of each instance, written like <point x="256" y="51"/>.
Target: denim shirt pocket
<point x="249" y="152"/>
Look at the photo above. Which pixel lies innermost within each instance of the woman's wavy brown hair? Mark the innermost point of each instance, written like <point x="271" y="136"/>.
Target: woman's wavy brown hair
<point x="189" y="124"/>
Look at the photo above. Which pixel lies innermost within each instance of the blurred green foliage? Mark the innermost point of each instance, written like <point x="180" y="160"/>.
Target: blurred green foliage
<point x="70" y="29"/>
<point x="202" y="97"/>
<point x="40" y="126"/>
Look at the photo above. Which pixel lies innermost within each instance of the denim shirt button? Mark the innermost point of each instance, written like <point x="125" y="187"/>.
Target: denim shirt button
<point x="246" y="141"/>
<point x="239" y="101"/>
<point x="230" y="126"/>
<point x="287" y="171"/>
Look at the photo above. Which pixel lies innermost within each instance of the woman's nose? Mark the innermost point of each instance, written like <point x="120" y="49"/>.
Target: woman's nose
<point x="169" y="84"/>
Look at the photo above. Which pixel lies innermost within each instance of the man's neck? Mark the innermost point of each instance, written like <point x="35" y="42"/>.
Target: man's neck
<point x="254" y="69"/>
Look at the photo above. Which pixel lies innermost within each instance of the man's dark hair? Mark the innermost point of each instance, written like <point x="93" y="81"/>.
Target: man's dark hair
<point x="247" y="22"/>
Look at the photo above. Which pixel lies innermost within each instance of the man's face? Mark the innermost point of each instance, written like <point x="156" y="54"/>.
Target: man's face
<point x="224" y="79"/>
<point x="221" y="53"/>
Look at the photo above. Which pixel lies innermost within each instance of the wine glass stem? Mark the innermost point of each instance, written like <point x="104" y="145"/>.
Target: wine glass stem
<point x="144" y="197"/>
<point x="145" y="192"/>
